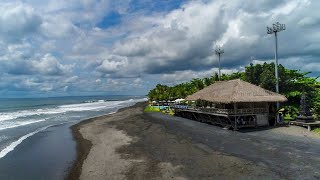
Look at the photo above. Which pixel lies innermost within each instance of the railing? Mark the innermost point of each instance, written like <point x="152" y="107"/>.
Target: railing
<point x="252" y="111"/>
<point x="225" y="111"/>
<point x="216" y="110"/>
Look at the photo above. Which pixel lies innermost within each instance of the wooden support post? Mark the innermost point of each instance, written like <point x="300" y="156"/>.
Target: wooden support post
<point x="210" y="119"/>
<point x="252" y="107"/>
<point x="268" y="113"/>
<point x="235" y="117"/>
<point x="195" y="117"/>
<point x="218" y="120"/>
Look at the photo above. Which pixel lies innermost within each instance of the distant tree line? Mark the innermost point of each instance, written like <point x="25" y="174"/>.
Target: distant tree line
<point x="291" y="84"/>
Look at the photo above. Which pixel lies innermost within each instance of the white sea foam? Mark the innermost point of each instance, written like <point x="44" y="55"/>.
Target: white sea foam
<point x="14" y="144"/>
<point x="60" y="109"/>
<point x="25" y="113"/>
<point x="14" y="124"/>
<point x="3" y="138"/>
<point x="92" y="106"/>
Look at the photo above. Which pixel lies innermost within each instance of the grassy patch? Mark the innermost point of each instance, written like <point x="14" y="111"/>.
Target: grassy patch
<point x="152" y="109"/>
<point x="316" y="130"/>
<point x="169" y="111"/>
<point x="157" y="109"/>
<point x="288" y="118"/>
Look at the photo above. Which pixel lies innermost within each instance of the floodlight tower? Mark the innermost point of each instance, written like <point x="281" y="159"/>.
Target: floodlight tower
<point x="219" y="51"/>
<point x="277" y="27"/>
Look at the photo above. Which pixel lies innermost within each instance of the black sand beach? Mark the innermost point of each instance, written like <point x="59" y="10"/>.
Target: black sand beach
<point x="132" y="144"/>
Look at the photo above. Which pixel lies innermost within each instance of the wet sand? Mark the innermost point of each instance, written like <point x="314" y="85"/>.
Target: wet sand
<point x="46" y="155"/>
<point x="132" y="144"/>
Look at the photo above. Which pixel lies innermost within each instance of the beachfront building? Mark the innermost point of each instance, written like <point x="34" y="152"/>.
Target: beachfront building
<point x="232" y="104"/>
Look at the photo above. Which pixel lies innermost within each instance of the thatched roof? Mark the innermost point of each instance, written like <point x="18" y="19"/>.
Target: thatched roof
<point x="235" y="91"/>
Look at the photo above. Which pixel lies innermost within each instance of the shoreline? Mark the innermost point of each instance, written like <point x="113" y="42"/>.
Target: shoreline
<point x="47" y="154"/>
<point x="133" y="144"/>
<point x="83" y="146"/>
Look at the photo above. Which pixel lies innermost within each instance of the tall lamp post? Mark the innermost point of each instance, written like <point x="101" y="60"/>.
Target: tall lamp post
<point x="219" y="51"/>
<point x="277" y="27"/>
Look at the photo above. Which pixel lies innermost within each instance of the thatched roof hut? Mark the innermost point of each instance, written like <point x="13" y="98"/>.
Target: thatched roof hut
<point x="235" y="91"/>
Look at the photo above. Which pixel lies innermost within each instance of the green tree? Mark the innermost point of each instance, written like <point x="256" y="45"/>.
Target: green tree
<point x="267" y="79"/>
<point x="291" y="84"/>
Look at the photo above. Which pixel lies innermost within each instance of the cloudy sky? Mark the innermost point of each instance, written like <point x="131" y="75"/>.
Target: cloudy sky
<point x="89" y="47"/>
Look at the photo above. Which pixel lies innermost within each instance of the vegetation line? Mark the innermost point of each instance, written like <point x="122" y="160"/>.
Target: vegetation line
<point x="291" y="84"/>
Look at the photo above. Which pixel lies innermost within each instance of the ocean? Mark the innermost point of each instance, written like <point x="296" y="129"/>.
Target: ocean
<point x="35" y="136"/>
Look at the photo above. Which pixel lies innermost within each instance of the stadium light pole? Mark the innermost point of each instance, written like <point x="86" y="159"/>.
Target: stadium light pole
<point x="277" y="27"/>
<point x="219" y="51"/>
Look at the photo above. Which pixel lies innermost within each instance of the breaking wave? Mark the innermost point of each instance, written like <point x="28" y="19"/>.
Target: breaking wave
<point x="88" y="106"/>
<point x="11" y="119"/>
<point x="15" y="124"/>
<point x="14" y="144"/>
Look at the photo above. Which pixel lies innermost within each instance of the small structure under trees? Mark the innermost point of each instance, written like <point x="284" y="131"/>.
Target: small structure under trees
<point x="305" y="117"/>
<point x="233" y="103"/>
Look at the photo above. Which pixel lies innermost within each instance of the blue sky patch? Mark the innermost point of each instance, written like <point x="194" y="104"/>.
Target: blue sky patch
<point x="111" y="19"/>
<point x="149" y="6"/>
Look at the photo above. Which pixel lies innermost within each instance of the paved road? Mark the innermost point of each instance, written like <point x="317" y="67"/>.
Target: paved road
<point x="289" y="157"/>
